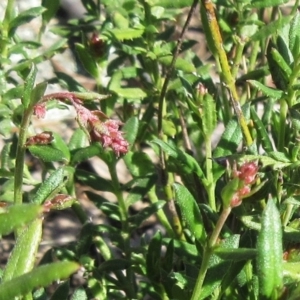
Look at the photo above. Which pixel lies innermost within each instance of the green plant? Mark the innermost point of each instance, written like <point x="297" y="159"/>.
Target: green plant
<point x="228" y="212"/>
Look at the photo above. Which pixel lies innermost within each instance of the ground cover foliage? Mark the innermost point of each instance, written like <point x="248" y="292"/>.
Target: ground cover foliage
<point x="226" y="209"/>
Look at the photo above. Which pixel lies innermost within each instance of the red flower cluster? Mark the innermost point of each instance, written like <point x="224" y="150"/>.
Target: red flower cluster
<point x="95" y="123"/>
<point x="247" y="176"/>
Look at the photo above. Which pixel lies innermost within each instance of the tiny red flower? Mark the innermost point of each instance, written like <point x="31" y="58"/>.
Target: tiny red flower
<point x="39" y="110"/>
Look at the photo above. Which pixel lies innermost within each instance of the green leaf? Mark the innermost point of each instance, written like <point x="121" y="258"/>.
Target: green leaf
<point x="185" y="161"/>
<point x="41" y="276"/>
<point x="129" y="93"/>
<point x="114" y="265"/>
<point x="139" y="188"/>
<point x="87" y="60"/>
<point x="83" y="154"/>
<point x="180" y="64"/>
<point x="190" y="212"/>
<point x="29" y="83"/>
<point x="271" y="28"/>
<point x="125" y="33"/>
<point x="266" y="3"/>
<point x="209" y="115"/>
<point x="47" y="153"/>
<point x="24" y="17"/>
<point x="139" y="164"/>
<point x="232" y="136"/>
<point x="130" y="129"/>
<point x="78" y="140"/>
<point x="146" y="212"/>
<point x="236" y="254"/>
<point x="94" y="181"/>
<point x="51" y="7"/>
<point x="269" y="256"/>
<point x="38" y="91"/>
<point x="267" y="91"/>
<point x="16" y="216"/>
<point x="59" y="144"/>
<point x="261" y="132"/>
<point x="22" y="258"/>
<point x="120" y="21"/>
<point x="294" y="34"/>
<point x="170" y="3"/>
<point x="62" y="291"/>
<point x="79" y="294"/>
<point x="153" y="257"/>
<point x="50" y="187"/>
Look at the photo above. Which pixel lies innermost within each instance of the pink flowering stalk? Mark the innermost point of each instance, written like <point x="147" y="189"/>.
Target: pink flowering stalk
<point x="98" y="126"/>
<point x="240" y="185"/>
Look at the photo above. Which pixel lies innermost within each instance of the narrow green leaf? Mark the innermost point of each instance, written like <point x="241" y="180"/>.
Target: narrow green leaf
<point x="94" y="181"/>
<point x="139" y="164"/>
<point x="82" y="154"/>
<point x="185" y="161"/>
<point x="294" y="34"/>
<point x="51" y="7"/>
<point x="87" y="60"/>
<point x="269" y="256"/>
<point x="267" y="91"/>
<point x="209" y="115"/>
<point x="232" y="136"/>
<point x="153" y="257"/>
<point x="23" y="256"/>
<point x="50" y="186"/>
<point x="38" y="91"/>
<point x="25" y="17"/>
<point x="62" y="291"/>
<point x="124" y="34"/>
<point x="41" y="276"/>
<point x="282" y="64"/>
<point x="170" y="3"/>
<point x="236" y="254"/>
<point x="47" y="153"/>
<point x="145" y="213"/>
<point x="120" y="21"/>
<point x="78" y="140"/>
<point x="261" y="131"/>
<point x="16" y="216"/>
<point x="180" y="64"/>
<point x="114" y="265"/>
<point x="130" y="129"/>
<point x="59" y="144"/>
<point x="266" y="3"/>
<point x="190" y="212"/>
<point x="271" y="28"/>
<point x="129" y="93"/>
<point x="79" y="294"/>
<point x="29" y="83"/>
<point x="140" y="188"/>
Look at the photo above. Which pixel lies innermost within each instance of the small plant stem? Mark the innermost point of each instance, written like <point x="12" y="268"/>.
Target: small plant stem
<point x="209" y="174"/>
<point x="130" y="291"/>
<point x="282" y="118"/>
<point x="160" y="214"/>
<point x="9" y="14"/>
<point x="208" y="251"/>
<point x="214" y="32"/>
<point x="170" y="71"/>
<point x="238" y="58"/>
<point x="20" y="156"/>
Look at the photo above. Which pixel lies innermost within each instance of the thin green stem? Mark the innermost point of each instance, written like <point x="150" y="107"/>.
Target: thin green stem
<point x="282" y="125"/>
<point x="20" y="156"/>
<point x="219" y="52"/>
<point x="170" y="71"/>
<point x="209" y="174"/>
<point x="208" y="251"/>
<point x="130" y="291"/>
<point x="160" y="214"/>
